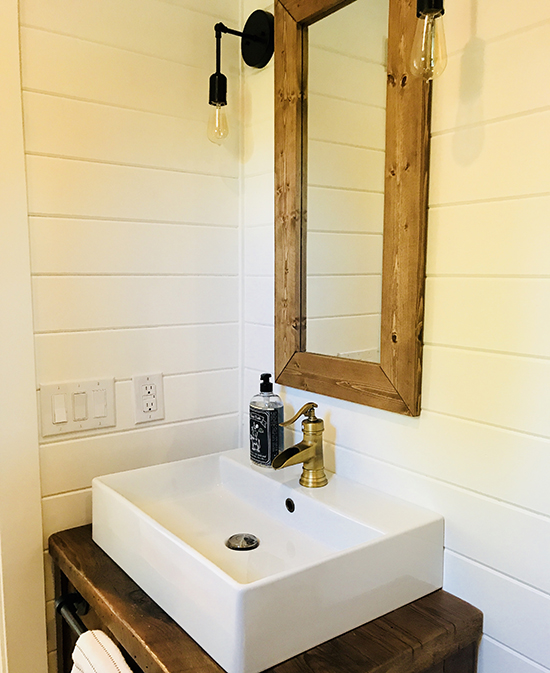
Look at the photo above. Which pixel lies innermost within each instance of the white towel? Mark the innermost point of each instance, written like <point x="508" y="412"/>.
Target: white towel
<point x="95" y="652"/>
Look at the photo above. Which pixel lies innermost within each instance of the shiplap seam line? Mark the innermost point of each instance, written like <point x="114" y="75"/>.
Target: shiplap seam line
<point x="117" y="274"/>
<point x="231" y="69"/>
<point x="148" y="167"/>
<point x="346" y="100"/>
<point x="343" y="316"/>
<point x="75" y="491"/>
<point x="474" y="421"/>
<point x="487" y="568"/>
<point x="74" y="438"/>
<point x="344" y="232"/>
<point x="346" y="189"/>
<point x="489" y="276"/>
<point x="519" y="31"/>
<point x="216" y="16"/>
<point x="115" y="106"/>
<point x="488" y="424"/>
<point x="344" y="275"/>
<point x="447" y="483"/>
<point x="488" y="351"/>
<point x="173" y="375"/>
<point x="134" y="327"/>
<point x="352" y="57"/>
<point x="251" y="176"/>
<point x="226" y="323"/>
<point x="515" y="653"/>
<point x="257" y="225"/>
<point x="128" y="220"/>
<point x="503" y="37"/>
<point x="493" y="199"/>
<point x="338" y="143"/>
<point x="492" y="121"/>
<point x="255" y="323"/>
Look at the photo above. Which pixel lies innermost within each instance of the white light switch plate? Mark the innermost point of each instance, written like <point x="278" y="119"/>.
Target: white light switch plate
<point x="148" y="398"/>
<point x="75" y="406"/>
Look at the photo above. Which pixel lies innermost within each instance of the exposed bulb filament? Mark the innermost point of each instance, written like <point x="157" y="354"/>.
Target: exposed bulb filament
<point x="429" y="53"/>
<point x="218" y="129"/>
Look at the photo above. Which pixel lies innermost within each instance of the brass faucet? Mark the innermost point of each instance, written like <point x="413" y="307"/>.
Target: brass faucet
<point x="309" y="451"/>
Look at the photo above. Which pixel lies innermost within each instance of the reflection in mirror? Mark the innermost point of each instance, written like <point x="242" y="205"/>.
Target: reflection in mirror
<point x="345" y="191"/>
<point x="393" y="383"/>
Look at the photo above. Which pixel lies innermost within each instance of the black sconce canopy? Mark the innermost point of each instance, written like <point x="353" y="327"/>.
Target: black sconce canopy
<point x="257" y="42"/>
<point x="425" y="7"/>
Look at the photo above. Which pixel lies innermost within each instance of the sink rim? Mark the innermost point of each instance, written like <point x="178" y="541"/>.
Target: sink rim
<point x="292" y="491"/>
<point x="287" y="479"/>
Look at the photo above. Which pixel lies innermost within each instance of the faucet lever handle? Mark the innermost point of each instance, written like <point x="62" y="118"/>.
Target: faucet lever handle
<point x="306" y="410"/>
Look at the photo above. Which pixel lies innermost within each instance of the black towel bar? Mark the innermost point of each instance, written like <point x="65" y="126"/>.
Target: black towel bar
<point x="69" y="607"/>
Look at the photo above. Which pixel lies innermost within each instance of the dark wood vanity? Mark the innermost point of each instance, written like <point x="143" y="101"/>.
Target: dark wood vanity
<point x="435" y="634"/>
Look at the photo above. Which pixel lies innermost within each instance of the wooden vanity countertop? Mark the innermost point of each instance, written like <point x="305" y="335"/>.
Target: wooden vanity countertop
<point x="435" y="634"/>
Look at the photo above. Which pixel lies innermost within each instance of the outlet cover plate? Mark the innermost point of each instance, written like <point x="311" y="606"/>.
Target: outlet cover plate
<point x="148" y="398"/>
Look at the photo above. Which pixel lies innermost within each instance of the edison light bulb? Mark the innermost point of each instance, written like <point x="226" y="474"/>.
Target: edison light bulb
<point x="217" y="124"/>
<point x="429" y="53"/>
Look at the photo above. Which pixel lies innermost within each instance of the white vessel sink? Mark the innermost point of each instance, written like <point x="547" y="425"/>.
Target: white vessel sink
<point x="345" y="555"/>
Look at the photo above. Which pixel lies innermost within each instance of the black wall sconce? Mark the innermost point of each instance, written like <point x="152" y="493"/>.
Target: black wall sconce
<point x="429" y="53"/>
<point x="257" y="44"/>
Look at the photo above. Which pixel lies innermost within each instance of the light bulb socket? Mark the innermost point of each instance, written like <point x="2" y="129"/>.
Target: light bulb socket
<point x="218" y="89"/>
<point x="425" y="7"/>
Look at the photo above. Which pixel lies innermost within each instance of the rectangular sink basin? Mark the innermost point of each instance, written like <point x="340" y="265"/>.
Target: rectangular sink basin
<point x="328" y="560"/>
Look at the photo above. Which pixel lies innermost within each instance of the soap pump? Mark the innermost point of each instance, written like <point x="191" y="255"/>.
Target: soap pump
<point x="266" y="416"/>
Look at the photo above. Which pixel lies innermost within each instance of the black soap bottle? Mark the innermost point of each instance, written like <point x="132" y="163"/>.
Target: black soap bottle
<point x="266" y="414"/>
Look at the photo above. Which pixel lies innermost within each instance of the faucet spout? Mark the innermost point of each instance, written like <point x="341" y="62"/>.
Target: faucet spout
<point x="309" y="451"/>
<point x="294" y="455"/>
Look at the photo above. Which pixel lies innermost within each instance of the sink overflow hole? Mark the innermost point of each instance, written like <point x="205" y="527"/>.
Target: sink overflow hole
<point x="242" y="542"/>
<point x="289" y="504"/>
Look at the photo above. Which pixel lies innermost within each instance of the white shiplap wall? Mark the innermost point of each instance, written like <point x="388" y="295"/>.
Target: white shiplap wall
<point x="480" y="451"/>
<point x="134" y="229"/>
<point x="257" y="222"/>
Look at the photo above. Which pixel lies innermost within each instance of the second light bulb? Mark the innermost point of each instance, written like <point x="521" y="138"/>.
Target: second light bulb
<point x="218" y="128"/>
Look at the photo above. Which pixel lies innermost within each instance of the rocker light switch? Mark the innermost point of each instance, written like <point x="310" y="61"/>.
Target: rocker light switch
<point x="77" y="406"/>
<point x="59" y="409"/>
<point x="100" y="403"/>
<point x="80" y="403"/>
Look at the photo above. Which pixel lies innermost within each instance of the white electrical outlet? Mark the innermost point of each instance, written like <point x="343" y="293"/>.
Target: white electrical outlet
<point x="149" y="398"/>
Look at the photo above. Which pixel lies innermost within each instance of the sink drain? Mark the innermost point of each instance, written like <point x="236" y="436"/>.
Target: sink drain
<point x="242" y="542"/>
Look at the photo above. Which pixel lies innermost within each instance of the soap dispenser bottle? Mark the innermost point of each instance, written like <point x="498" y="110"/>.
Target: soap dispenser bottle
<point x="266" y="415"/>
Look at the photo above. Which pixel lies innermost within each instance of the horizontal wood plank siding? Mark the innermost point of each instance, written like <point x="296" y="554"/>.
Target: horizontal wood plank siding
<point x="134" y="228"/>
<point x="72" y="464"/>
<point x="176" y="349"/>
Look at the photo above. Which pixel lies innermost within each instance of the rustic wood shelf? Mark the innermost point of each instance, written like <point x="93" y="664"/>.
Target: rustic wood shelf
<point x="435" y="634"/>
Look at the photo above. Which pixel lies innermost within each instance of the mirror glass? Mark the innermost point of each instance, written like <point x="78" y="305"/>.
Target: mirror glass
<point x="346" y="138"/>
<point x="337" y="178"/>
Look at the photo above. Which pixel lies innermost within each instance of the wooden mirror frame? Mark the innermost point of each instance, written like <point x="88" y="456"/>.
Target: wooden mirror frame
<point x="395" y="383"/>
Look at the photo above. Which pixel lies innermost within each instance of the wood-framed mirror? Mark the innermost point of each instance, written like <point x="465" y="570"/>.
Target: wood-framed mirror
<point x="394" y="382"/>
